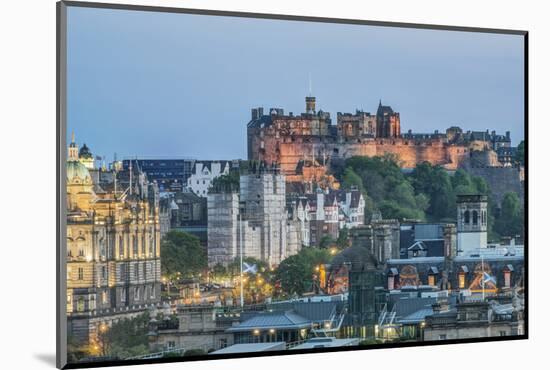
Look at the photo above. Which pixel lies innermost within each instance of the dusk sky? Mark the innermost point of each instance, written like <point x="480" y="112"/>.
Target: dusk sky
<point x="175" y="85"/>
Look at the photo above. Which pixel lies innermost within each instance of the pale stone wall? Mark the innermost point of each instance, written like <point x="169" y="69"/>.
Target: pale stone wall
<point x="223" y="211"/>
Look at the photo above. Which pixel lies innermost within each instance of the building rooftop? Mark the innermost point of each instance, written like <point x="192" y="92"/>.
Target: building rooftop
<point x="251" y="347"/>
<point x="272" y="320"/>
<point x="326" y="342"/>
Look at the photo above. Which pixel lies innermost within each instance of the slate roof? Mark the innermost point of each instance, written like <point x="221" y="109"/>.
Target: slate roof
<point x="405" y="307"/>
<point x="313" y="311"/>
<point x="272" y="320"/>
<point x="417" y="316"/>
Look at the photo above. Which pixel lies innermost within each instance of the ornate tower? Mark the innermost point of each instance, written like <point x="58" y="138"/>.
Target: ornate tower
<point x="471" y="224"/>
<point x="310" y="104"/>
<point x="73" y="150"/>
<point x="388" y="123"/>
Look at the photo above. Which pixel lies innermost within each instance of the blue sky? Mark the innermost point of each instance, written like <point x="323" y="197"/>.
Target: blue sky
<point x="178" y="85"/>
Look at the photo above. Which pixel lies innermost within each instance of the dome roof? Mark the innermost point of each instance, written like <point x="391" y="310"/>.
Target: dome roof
<point x="77" y="172"/>
<point x="358" y="256"/>
<point x="84" y="152"/>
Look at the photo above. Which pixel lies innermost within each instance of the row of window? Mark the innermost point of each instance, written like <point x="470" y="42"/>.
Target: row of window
<point x="475" y="217"/>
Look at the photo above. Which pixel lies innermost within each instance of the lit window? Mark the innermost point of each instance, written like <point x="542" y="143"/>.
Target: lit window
<point x="80" y="304"/>
<point x="461" y="280"/>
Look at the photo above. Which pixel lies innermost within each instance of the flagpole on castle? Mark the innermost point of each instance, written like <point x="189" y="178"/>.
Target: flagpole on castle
<point x="241" y="257"/>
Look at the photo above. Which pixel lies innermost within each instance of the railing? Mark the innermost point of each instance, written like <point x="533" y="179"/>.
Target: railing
<point x="290" y="345"/>
<point x="180" y="351"/>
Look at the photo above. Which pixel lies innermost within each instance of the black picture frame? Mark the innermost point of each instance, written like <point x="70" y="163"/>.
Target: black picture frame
<point x="61" y="155"/>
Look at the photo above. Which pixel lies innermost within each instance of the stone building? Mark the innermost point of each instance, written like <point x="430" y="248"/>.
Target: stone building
<point x="287" y="139"/>
<point x="471" y="224"/>
<point x="257" y="211"/>
<point x="292" y="141"/>
<point x="324" y="216"/>
<point x="474" y="319"/>
<point x="184" y="211"/>
<point x="388" y="124"/>
<point x="325" y="212"/>
<point x="198" y="327"/>
<point x="360" y="124"/>
<point x="223" y="226"/>
<point x="113" y="251"/>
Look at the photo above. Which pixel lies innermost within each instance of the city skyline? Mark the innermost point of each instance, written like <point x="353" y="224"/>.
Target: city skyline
<point x="127" y="76"/>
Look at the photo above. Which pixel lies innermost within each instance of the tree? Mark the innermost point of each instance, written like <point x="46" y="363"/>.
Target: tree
<point x="218" y="272"/>
<point x="326" y="241"/>
<point x="384" y="186"/>
<point x="181" y="252"/>
<point x="295" y="273"/>
<point x="510" y="220"/>
<point x="434" y="182"/>
<point x="125" y="338"/>
<point x="520" y="154"/>
<point x="351" y="179"/>
<point x="228" y="182"/>
<point x="343" y="238"/>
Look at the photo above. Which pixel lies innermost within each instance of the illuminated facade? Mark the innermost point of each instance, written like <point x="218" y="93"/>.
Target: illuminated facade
<point x="113" y="250"/>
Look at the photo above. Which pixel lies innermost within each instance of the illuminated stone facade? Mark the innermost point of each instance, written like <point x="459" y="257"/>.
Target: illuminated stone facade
<point x="290" y="141"/>
<point x="113" y="251"/>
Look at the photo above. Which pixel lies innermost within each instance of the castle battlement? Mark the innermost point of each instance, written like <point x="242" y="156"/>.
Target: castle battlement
<point x="286" y="140"/>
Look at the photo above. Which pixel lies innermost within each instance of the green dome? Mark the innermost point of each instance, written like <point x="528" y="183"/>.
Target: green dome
<point x="77" y="172"/>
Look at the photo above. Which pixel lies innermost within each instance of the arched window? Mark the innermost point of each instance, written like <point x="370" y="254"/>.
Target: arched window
<point x="474" y="217"/>
<point x="467" y="217"/>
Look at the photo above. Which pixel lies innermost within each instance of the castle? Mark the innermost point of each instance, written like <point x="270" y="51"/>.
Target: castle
<point x="303" y="145"/>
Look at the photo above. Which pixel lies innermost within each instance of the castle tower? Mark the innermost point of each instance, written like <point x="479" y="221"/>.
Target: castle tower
<point x="471" y="224"/>
<point x="73" y="150"/>
<point x="388" y="123"/>
<point x="310" y="104"/>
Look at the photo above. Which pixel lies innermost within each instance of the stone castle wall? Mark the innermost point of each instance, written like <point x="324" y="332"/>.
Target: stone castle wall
<point x="287" y="151"/>
<point x="501" y="180"/>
